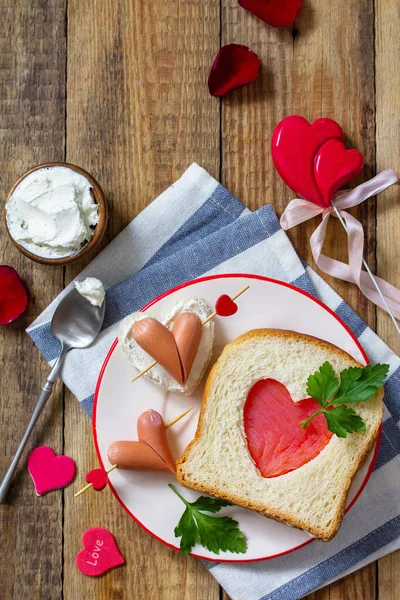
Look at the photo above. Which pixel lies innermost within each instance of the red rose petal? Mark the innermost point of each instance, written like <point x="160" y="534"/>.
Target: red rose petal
<point x="277" y="13"/>
<point x="13" y="296"/>
<point x="235" y="65"/>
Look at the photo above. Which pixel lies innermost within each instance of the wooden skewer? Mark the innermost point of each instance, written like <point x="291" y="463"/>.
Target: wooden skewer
<point x="153" y="364"/>
<point x="209" y="318"/>
<point x="168" y="425"/>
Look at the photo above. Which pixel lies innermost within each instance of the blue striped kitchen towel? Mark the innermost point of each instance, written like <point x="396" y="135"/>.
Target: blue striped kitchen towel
<point x="195" y="228"/>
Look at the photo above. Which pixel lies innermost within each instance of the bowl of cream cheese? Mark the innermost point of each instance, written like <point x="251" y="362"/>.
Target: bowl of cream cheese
<point x="56" y="213"/>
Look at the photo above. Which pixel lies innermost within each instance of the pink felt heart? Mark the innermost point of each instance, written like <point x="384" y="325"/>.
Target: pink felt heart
<point x="295" y="143"/>
<point x="334" y="166"/>
<point x="99" y="554"/>
<point x="225" y="307"/>
<point x="49" y="471"/>
<point x="98" y="479"/>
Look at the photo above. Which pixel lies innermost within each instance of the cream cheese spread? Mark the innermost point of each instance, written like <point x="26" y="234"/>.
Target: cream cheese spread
<point x="92" y="289"/>
<point x="52" y="212"/>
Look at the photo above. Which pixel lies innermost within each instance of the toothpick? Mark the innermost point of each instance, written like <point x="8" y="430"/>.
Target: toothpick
<point x="153" y="364"/>
<point x="214" y="314"/>
<point x="167" y="426"/>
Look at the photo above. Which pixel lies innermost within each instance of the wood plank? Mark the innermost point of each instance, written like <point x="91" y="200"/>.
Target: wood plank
<point x="387" y="23"/>
<point x="137" y="116"/>
<point x="324" y="66"/>
<point x="32" y="87"/>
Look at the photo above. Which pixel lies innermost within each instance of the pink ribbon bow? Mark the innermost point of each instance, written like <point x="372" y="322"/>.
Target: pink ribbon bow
<point x="300" y="210"/>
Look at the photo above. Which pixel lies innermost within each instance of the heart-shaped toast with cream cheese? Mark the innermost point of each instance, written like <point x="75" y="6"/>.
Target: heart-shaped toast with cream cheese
<point x="178" y="342"/>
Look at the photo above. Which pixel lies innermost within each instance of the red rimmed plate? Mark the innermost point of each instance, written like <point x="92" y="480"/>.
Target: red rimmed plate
<point x="118" y="402"/>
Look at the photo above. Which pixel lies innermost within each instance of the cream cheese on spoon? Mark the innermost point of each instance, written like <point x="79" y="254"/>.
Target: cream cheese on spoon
<point x="92" y="289"/>
<point x="52" y="212"/>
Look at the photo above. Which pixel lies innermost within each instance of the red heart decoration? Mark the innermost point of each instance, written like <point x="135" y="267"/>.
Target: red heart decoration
<point x="294" y="146"/>
<point x="334" y="166"/>
<point x="276" y="441"/>
<point x="225" y="307"/>
<point x="49" y="471"/>
<point x="235" y="65"/>
<point x="98" y="479"/>
<point x="277" y="13"/>
<point x="99" y="554"/>
<point x="13" y="296"/>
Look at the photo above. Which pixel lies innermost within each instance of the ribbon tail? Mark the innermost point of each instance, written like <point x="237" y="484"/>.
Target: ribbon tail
<point x="341" y="270"/>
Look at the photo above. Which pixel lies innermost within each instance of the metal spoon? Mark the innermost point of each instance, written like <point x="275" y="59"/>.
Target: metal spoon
<point x="76" y="324"/>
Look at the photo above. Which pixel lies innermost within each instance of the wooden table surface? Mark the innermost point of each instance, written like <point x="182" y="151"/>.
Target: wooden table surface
<point x="120" y="88"/>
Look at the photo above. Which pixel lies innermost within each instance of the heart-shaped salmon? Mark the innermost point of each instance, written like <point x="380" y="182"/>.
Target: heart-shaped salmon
<point x="174" y="350"/>
<point x="334" y="166"/>
<point x="295" y="143"/>
<point x="276" y="441"/>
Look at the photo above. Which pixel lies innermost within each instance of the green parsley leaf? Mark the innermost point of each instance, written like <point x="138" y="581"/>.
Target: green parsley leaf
<point x="359" y="385"/>
<point x="208" y="504"/>
<point x="342" y="420"/>
<point x="214" y="533"/>
<point x="323" y="384"/>
<point x="188" y="532"/>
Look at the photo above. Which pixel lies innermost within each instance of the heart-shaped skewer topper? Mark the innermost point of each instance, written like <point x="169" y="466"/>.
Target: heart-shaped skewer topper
<point x="225" y="306"/>
<point x="98" y="478"/>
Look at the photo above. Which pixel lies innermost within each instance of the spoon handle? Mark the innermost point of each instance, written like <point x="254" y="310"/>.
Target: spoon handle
<point x="44" y="395"/>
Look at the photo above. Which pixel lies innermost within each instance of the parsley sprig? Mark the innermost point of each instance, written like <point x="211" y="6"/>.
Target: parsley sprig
<point x="357" y="384"/>
<point x="214" y="533"/>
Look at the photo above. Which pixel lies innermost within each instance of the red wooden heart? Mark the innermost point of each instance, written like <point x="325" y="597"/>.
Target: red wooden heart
<point x="99" y="554"/>
<point x="225" y="307"/>
<point x="98" y="479"/>
<point x="294" y="146"/>
<point x="49" y="471"/>
<point x="275" y="439"/>
<point x="334" y="166"/>
<point x="277" y="13"/>
<point x="235" y="65"/>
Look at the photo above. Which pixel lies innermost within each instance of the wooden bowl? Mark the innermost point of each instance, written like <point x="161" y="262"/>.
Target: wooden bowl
<point x="98" y="231"/>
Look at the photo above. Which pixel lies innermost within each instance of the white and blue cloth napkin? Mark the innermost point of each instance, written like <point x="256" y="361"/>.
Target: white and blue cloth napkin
<point x="195" y="228"/>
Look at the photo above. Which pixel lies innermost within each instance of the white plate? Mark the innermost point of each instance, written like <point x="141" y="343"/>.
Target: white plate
<point x="118" y="403"/>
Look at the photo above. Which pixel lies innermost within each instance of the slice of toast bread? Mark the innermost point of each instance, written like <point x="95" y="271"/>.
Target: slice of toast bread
<point x="218" y="462"/>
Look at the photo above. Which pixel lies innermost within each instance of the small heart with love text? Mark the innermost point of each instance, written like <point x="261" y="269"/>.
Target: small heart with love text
<point x="100" y="552"/>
